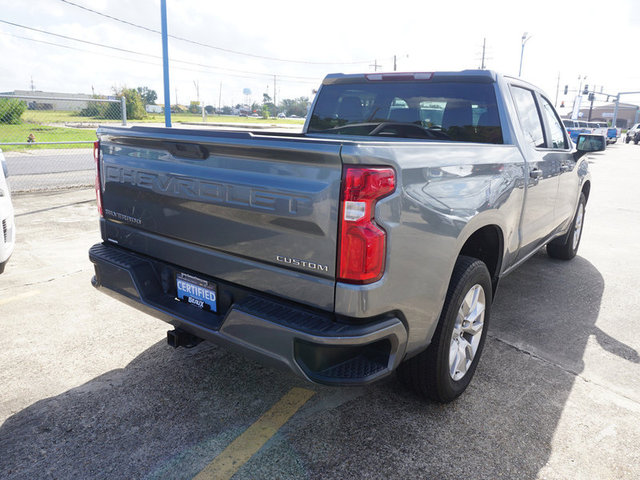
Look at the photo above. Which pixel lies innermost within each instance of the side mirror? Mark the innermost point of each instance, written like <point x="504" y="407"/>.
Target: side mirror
<point x="589" y="143"/>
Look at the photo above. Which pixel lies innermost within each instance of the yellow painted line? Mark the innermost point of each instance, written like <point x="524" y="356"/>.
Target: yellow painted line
<point x="248" y="443"/>
<point x="22" y="296"/>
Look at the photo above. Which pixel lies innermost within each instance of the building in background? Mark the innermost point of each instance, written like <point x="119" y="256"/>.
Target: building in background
<point x="628" y="114"/>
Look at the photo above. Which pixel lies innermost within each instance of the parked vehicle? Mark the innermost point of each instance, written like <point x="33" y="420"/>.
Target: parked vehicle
<point x="631" y="133"/>
<point x="612" y="135"/>
<point x="8" y="234"/>
<point x="598" y="128"/>
<point x="372" y="241"/>
<point x="574" y="129"/>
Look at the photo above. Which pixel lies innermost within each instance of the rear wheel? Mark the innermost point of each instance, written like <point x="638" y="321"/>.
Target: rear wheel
<point x="565" y="248"/>
<point x="444" y="370"/>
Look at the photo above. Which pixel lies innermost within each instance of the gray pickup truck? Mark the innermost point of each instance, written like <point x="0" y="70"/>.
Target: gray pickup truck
<point x="372" y="241"/>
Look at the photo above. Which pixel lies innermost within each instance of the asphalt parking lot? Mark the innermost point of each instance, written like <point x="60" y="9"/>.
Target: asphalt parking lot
<point x="91" y="390"/>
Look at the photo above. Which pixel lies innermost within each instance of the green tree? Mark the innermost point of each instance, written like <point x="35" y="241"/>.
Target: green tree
<point x="93" y="109"/>
<point x="11" y="110"/>
<point x="135" y="105"/>
<point x="297" y="106"/>
<point x="194" y="107"/>
<point x="148" y="96"/>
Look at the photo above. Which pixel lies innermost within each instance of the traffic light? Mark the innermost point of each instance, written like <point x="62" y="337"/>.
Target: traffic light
<point x="586" y="89"/>
<point x="566" y="89"/>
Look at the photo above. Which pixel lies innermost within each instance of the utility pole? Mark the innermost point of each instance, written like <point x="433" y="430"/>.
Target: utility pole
<point x="33" y="87"/>
<point x="557" y="90"/>
<point x="484" y="49"/>
<point x="275" y="103"/>
<point x="375" y="65"/>
<point x="395" y="65"/>
<point x="220" y="98"/>
<point x="197" y="85"/>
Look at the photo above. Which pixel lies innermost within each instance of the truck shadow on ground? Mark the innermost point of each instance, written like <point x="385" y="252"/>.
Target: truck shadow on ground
<point x="170" y="412"/>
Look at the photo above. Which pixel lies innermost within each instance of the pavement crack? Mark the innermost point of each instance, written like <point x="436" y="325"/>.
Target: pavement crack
<point x="54" y="208"/>
<point x="564" y="369"/>
<point x="49" y="280"/>
<point x="534" y="355"/>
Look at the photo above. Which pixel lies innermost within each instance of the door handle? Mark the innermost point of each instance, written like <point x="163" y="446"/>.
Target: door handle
<point x="535" y="173"/>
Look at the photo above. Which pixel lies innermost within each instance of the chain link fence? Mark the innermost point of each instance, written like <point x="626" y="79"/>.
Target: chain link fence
<point x="47" y="141"/>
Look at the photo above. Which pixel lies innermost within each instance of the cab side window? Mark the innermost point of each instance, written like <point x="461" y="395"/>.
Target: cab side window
<point x="529" y="116"/>
<point x="556" y="131"/>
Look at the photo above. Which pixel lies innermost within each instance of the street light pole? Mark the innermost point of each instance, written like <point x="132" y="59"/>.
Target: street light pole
<point x="165" y="63"/>
<point x="525" y="38"/>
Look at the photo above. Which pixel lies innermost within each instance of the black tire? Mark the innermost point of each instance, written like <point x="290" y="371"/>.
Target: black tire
<point x="566" y="247"/>
<point x="428" y="373"/>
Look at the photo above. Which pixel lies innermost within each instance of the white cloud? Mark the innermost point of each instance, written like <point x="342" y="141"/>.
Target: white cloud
<point x="565" y="40"/>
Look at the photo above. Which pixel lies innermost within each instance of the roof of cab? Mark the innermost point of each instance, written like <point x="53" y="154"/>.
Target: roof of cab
<point x="471" y="76"/>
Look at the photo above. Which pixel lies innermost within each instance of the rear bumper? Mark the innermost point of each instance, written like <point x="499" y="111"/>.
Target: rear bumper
<point x="279" y="333"/>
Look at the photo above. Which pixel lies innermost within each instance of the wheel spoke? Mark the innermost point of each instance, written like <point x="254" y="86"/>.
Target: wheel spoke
<point x="453" y="358"/>
<point x="464" y="350"/>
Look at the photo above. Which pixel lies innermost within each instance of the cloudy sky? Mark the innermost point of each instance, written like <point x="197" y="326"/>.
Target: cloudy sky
<point x="243" y="44"/>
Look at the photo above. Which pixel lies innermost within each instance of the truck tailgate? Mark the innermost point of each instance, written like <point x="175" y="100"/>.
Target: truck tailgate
<point x="261" y="213"/>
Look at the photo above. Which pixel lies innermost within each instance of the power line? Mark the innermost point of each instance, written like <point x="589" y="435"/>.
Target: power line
<point x="142" y="61"/>
<point x="152" y="63"/>
<point x="227" y="50"/>
<point x="66" y="37"/>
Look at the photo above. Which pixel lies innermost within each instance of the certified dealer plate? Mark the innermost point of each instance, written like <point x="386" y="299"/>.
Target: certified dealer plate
<point x="196" y="291"/>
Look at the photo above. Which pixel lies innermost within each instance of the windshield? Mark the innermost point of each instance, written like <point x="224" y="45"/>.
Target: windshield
<point x="461" y="112"/>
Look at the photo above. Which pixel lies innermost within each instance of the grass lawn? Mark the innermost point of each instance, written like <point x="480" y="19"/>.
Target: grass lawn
<point x="44" y="133"/>
<point x="49" y="126"/>
<point x="56" y="116"/>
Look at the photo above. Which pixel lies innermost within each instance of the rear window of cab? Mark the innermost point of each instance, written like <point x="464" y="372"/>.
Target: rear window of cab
<point x="459" y="112"/>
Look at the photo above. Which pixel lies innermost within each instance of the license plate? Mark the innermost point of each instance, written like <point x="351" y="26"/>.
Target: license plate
<point x="196" y="291"/>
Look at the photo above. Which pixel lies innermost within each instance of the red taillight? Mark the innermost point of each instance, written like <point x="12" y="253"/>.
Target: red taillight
<point x="362" y="247"/>
<point x="96" y="157"/>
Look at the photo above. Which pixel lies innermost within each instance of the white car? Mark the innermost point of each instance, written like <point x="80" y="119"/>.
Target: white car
<point x="8" y="233"/>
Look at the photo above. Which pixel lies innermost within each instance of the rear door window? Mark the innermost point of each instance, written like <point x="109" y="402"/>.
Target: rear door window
<point x="452" y="111"/>
<point x="556" y="132"/>
<point x="529" y="116"/>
